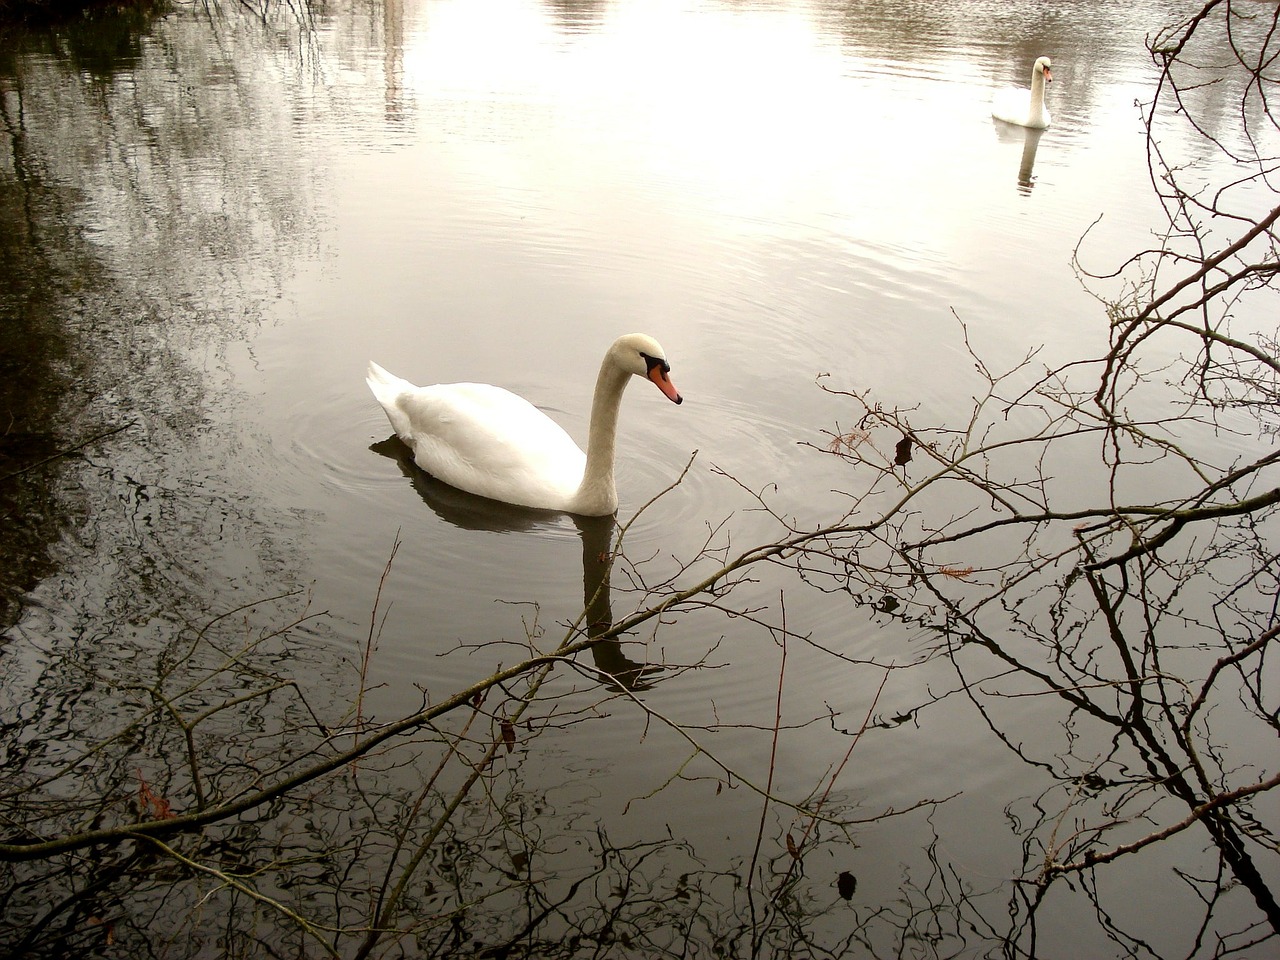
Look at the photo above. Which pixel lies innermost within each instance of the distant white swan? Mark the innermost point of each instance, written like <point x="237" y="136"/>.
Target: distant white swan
<point x="1023" y="107"/>
<point x="488" y="441"/>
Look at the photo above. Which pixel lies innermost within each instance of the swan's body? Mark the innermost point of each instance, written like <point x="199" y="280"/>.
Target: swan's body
<point x="1025" y="107"/>
<point x="488" y="441"/>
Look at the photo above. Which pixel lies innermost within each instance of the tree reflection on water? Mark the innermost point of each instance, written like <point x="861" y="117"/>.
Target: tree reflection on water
<point x="172" y="788"/>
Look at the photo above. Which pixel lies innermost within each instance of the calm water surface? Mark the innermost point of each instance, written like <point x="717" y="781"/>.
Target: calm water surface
<point x="494" y="191"/>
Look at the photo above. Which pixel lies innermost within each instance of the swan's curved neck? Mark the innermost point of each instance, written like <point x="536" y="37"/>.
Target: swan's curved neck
<point x="1037" y="97"/>
<point x="598" y="493"/>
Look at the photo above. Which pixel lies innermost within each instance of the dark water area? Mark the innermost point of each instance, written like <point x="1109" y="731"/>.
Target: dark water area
<point x="220" y="573"/>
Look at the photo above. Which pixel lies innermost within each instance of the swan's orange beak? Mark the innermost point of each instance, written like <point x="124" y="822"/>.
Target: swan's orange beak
<point x="658" y="374"/>
<point x="1048" y="76"/>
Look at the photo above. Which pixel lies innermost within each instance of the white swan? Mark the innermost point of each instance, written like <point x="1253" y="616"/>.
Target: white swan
<point x="1024" y="108"/>
<point x="488" y="441"/>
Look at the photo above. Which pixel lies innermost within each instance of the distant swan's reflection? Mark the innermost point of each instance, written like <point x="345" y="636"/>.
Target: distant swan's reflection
<point x="1030" y="143"/>
<point x="470" y="512"/>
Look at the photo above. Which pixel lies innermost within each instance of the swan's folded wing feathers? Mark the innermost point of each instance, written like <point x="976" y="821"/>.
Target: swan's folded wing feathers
<point x="488" y="441"/>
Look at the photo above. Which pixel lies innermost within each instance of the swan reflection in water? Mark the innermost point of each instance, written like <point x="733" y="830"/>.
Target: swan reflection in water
<point x="470" y="512"/>
<point x="1029" y="145"/>
<point x="1030" y="139"/>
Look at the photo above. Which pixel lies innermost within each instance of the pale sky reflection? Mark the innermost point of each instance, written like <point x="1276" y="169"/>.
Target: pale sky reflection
<point x="746" y="112"/>
<point x="728" y="157"/>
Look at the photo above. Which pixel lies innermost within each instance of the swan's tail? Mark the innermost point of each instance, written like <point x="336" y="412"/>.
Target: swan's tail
<point x="384" y="384"/>
<point x="387" y="388"/>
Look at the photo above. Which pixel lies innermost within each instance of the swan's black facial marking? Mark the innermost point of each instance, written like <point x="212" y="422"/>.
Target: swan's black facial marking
<point x="651" y="362"/>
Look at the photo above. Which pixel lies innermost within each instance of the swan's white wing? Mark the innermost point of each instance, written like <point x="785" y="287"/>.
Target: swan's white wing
<point x="488" y="441"/>
<point x="1011" y="105"/>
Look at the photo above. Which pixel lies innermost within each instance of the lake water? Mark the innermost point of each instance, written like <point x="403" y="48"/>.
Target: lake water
<point x="217" y="221"/>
